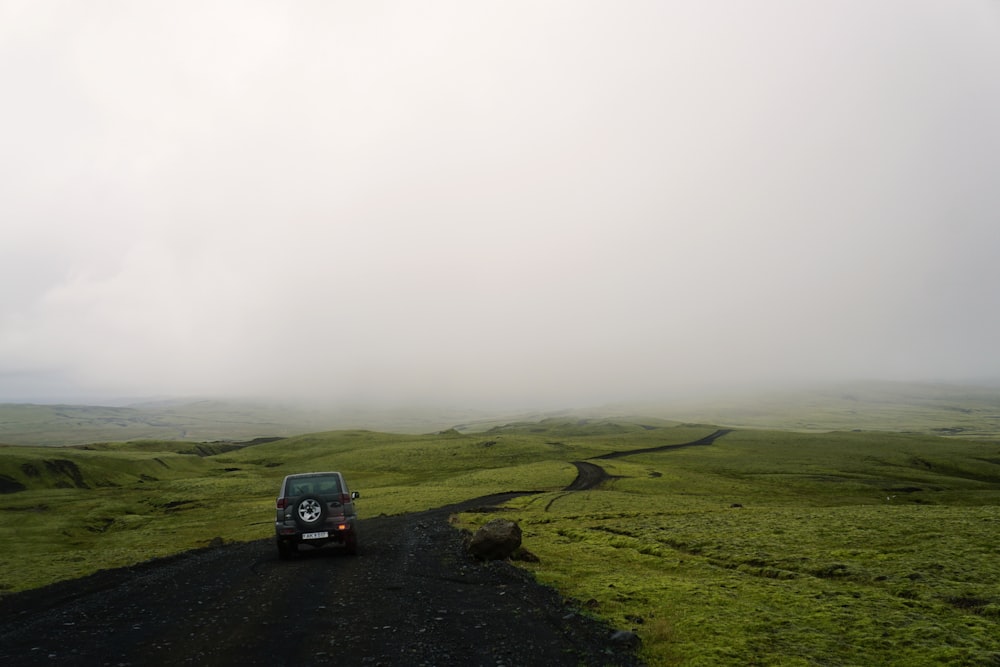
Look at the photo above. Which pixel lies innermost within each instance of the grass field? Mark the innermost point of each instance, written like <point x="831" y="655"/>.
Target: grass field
<point x="935" y="409"/>
<point x="206" y="420"/>
<point x="767" y="547"/>
<point x="778" y="548"/>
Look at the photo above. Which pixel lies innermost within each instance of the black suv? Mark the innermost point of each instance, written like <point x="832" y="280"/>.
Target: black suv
<point x="315" y="508"/>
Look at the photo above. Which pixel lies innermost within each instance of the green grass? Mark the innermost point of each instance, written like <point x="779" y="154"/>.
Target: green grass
<point x="58" y="425"/>
<point x="776" y="548"/>
<point x="934" y="409"/>
<point x="207" y="420"/>
<point x="766" y="547"/>
<point x="113" y="504"/>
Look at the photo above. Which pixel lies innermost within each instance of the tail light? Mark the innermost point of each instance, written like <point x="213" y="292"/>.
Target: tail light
<point x="345" y="498"/>
<point x="281" y="504"/>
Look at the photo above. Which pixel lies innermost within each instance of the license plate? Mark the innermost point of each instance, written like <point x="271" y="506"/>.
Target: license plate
<point x="315" y="536"/>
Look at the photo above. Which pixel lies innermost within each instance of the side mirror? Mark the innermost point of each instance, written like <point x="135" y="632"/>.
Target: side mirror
<point x="355" y="495"/>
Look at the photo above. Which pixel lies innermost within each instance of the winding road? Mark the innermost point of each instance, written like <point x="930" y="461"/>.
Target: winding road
<point x="590" y="475"/>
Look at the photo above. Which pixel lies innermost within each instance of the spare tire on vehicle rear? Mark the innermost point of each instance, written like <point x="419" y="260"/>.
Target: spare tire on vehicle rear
<point x="310" y="511"/>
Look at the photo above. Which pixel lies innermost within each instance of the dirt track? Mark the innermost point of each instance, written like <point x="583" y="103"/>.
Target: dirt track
<point x="707" y="440"/>
<point x="413" y="597"/>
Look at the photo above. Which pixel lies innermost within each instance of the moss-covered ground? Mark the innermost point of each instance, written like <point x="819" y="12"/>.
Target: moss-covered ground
<point x="765" y="547"/>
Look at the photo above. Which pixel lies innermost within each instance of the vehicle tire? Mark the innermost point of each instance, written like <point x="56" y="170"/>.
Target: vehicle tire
<point x="310" y="511"/>
<point x="351" y="545"/>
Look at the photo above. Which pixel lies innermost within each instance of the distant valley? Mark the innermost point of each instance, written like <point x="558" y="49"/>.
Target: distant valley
<point x="935" y="409"/>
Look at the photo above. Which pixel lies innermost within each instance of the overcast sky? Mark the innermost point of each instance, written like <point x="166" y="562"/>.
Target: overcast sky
<point x="561" y="202"/>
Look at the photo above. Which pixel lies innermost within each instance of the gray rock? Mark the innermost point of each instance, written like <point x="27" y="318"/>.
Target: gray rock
<point x="495" y="540"/>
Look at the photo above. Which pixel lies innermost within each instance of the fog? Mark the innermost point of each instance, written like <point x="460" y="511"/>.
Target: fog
<point x="553" y="203"/>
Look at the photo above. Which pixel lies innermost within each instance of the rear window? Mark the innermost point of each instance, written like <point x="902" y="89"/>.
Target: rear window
<point x="321" y="485"/>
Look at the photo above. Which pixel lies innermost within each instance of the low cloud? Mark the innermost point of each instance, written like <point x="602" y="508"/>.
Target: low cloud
<point x="566" y="203"/>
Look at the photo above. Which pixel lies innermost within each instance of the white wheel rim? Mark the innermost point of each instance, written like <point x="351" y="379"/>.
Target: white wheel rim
<point x="309" y="510"/>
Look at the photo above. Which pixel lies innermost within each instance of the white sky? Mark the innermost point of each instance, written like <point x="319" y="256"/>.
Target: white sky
<point x="506" y="201"/>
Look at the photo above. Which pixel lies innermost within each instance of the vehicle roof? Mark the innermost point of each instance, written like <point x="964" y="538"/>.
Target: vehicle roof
<point x="311" y="474"/>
